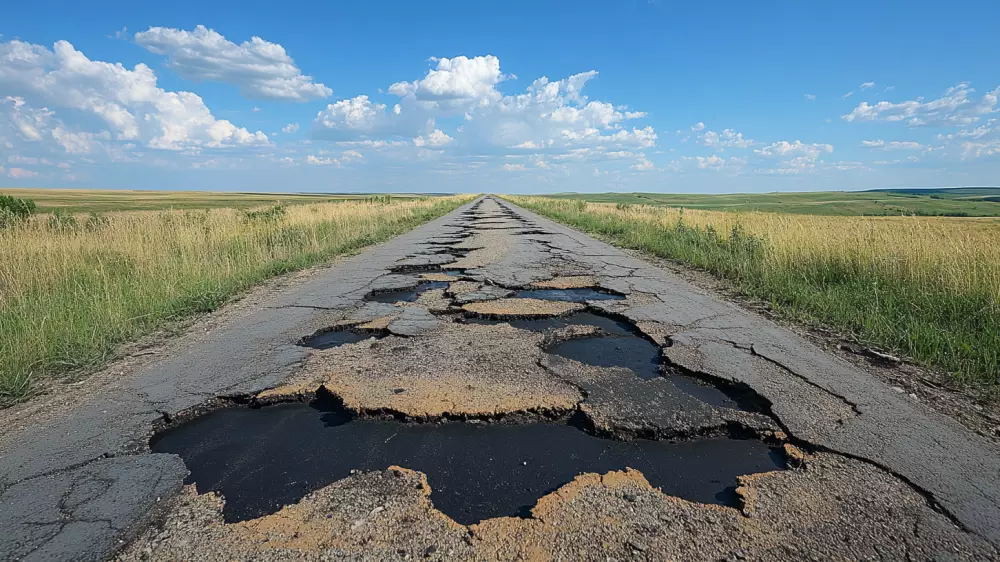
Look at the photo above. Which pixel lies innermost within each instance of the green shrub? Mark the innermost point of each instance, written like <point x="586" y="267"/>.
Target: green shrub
<point x="20" y="208"/>
<point x="270" y="214"/>
<point x="14" y="211"/>
<point x="96" y="221"/>
<point x="61" y="221"/>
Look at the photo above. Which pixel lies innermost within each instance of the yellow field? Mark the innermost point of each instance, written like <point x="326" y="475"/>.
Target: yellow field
<point x="97" y="200"/>
<point x="926" y="287"/>
<point x="958" y="254"/>
<point x="73" y="288"/>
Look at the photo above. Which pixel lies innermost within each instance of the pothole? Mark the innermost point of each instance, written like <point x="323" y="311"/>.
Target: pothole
<point x="405" y="295"/>
<point x="445" y="275"/>
<point x="417" y="268"/>
<point x="328" y="339"/>
<point x="720" y="394"/>
<point x="605" y="323"/>
<point x="637" y="354"/>
<point x="623" y="345"/>
<point x="568" y="295"/>
<point x="262" y="459"/>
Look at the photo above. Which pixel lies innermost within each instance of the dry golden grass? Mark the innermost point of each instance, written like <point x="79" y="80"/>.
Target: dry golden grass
<point x="957" y="254"/>
<point x="107" y="200"/>
<point x="72" y="288"/>
<point x="927" y="287"/>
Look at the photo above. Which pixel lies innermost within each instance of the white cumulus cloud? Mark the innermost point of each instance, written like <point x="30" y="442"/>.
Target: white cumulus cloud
<point x="789" y="149"/>
<point x="259" y="68"/>
<point x="357" y="116"/>
<point x="728" y="138"/>
<point x="892" y="145"/>
<point x="322" y="161"/>
<point x="456" y="82"/>
<point x="436" y="139"/>
<point x="955" y="107"/>
<point x="712" y="161"/>
<point x="552" y="115"/>
<point x="373" y="144"/>
<point x="129" y="102"/>
<point x="290" y="128"/>
<point x="529" y="144"/>
<point x="980" y="149"/>
<point x="643" y="165"/>
<point x="21" y="173"/>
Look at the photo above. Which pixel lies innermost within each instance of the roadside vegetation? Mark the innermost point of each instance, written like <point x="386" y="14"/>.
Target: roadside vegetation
<point x="74" y="287"/>
<point x="946" y="202"/>
<point x="103" y="201"/>
<point x="926" y="288"/>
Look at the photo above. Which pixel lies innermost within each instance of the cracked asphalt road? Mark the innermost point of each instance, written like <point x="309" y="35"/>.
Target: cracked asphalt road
<point x="875" y="473"/>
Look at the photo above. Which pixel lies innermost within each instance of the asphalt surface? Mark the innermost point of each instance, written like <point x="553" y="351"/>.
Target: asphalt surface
<point x="876" y="473"/>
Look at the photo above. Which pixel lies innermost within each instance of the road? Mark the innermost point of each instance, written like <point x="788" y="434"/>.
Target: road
<point x="492" y="385"/>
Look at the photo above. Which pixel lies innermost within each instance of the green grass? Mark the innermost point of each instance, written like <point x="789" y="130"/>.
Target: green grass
<point x="972" y="202"/>
<point x="102" y="201"/>
<point x="71" y="295"/>
<point x="958" y="331"/>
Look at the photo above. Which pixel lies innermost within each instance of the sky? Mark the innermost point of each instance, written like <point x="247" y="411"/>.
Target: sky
<point x="508" y="97"/>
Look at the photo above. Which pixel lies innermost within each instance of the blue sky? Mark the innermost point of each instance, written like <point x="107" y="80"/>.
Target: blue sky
<point x="499" y="96"/>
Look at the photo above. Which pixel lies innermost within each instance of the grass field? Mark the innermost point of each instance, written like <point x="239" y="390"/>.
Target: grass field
<point x="925" y="287"/>
<point x="74" y="288"/>
<point x="970" y="201"/>
<point x="101" y="201"/>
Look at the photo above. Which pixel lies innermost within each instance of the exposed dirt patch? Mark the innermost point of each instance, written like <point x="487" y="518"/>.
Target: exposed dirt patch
<point x="486" y="248"/>
<point x="460" y="370"/>
<point x="522" y="308"/>
<point x="444" y="277"/>
<point x="462" y="287"/>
